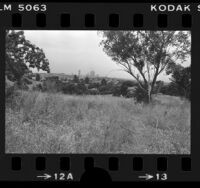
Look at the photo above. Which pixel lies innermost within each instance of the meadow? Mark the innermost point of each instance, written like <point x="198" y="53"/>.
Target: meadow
<point x="39" y="122"/>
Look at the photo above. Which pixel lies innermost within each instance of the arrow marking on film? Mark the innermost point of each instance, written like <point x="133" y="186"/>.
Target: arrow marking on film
<point x="146" y="177"/>
<point x="45" y="176"/>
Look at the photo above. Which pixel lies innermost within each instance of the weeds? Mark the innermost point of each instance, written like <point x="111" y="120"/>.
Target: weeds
<point x="55" y="123"/>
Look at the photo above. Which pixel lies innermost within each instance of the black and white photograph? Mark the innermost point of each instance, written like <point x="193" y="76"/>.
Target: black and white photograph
<point x="98" y="91"/>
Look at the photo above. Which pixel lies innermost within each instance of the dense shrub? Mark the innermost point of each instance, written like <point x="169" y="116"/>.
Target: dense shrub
<point x="103" y="81"/>
<point x="116" y="91"/>
<point x="93" y="91"/>
<point x="173" y="90"/>
<point x="140" y="95"/>
<point x="130" y="94"/>
<point x="78" y="89"/>
<point x="87" y="80"/>
<point x="38" y="87"/>
<point x="93" y="85"/>
<point x="124" y="87"/>
<point x="68" y="88"/>
<point x="9" y="91"/>
<point x="106" y="89"/>
<point x="52" y="86"/>
<point x="27" y="81"/>
<point x="37" y="77"/>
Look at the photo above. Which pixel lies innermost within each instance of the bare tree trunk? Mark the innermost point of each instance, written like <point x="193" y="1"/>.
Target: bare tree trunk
<point x="149" y="87"/>
<point x="149" y="92"/>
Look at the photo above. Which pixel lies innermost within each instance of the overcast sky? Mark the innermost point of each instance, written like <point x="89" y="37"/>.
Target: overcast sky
<point x="71" y="51"/>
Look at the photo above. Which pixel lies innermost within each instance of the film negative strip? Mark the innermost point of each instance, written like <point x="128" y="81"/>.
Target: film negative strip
<point x="99" y="91"/>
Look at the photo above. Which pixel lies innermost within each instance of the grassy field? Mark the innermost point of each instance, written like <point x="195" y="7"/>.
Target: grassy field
<point x="55" y="123"/>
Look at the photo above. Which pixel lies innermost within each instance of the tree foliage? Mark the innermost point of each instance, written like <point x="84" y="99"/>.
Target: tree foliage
<point x="124" y="87"/>
<point x="181" y="78"/>
<point x="103" y="81"/>
<point x="76" y="79"/>
<point x="37" y="78"/>
<point x="87" y="80"/>
<point x="146" y="54"/>
<point x="22" y="56"/>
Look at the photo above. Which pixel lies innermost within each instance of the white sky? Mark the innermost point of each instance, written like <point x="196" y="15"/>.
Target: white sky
<point x="70" y="51"/>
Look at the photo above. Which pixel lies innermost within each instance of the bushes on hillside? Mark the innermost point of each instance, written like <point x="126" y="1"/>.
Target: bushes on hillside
<point x="52" y="86"/>
<point x="9" y="91"/>
<point x="140" y="95"/>
<point x="78" y="89"/>
<point x="124" y="87"/>
<point x="37" y="87"/>
<point x="37" y="77"/>
<point x="117" y="91"/>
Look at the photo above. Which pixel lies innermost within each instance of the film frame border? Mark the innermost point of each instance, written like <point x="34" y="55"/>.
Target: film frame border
<point x="90" y="18"/>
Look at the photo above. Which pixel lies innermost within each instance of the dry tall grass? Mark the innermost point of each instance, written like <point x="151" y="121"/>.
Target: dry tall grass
<point x="55" y="123"/>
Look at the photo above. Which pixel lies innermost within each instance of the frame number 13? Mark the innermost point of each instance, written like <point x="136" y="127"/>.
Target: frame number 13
<point x="161" y="177"/>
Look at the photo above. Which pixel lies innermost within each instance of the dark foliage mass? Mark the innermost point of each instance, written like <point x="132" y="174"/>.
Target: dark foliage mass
<point x="181" y="79"/>
<point x="180" y="84"/>
<point x="71" y="88"/>
<point x="140" y="95"/>
<point x="124" y="87"/>
<point x="22" y="56"/>
<point x="37" y="77"/>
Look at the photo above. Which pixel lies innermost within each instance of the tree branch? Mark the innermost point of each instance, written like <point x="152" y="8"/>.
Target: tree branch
<point x="129" y="70"/>
<point x="140" y="71"/>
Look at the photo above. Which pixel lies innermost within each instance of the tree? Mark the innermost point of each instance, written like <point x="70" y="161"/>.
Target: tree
<point x="37" y="77"/>
<point x="116" y="91"/>
<point x="75" y="79"/>
<point x="181" y="78"/>
<point x="139" y="95"/>
<point x="87" y="80"/>
<point x="80" y="89"/>
<point x="146" y="54"/>
<point x="103" y="81"/>
<point x="68" y="88"/>
<point x="21" y="56"/>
